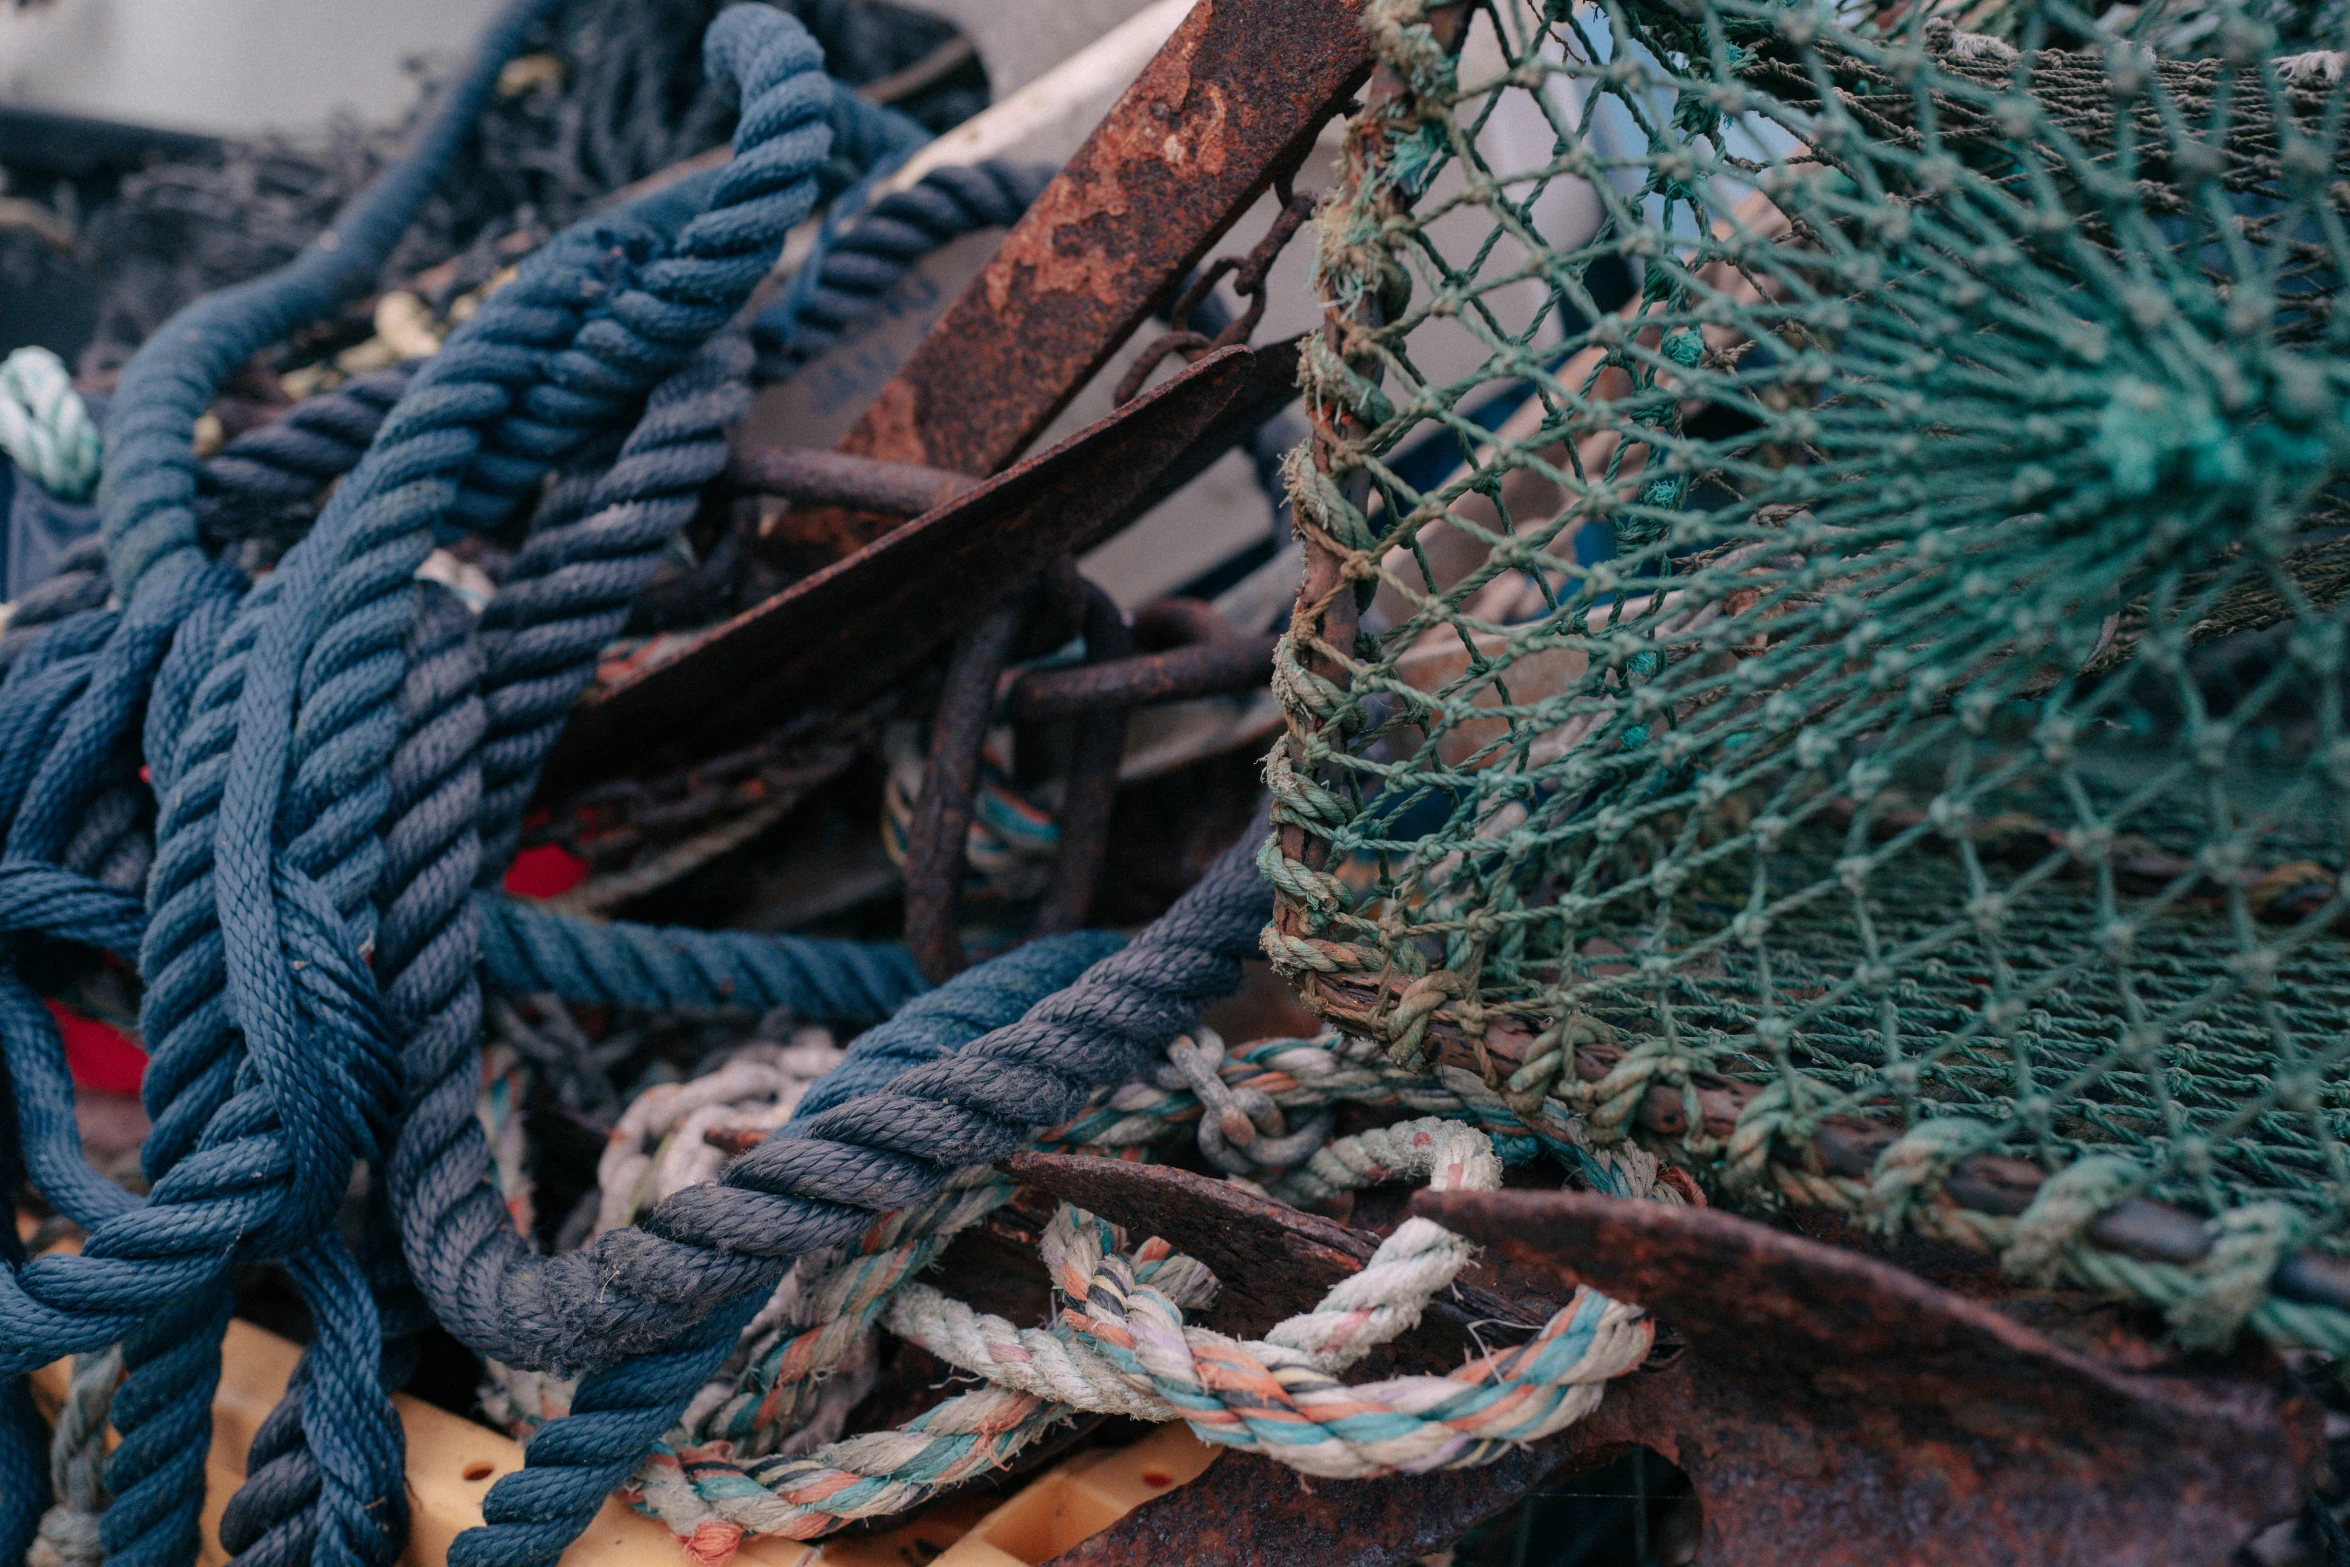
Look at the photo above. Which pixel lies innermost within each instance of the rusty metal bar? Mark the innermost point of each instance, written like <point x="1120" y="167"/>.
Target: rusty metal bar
<point x="1204" y="669"/>
<point x="942" y="817"/>
<point x="1248" y="1511"/>
<point x="839" y="635"/>
<point x="1169" y="623"/>
<point x="1092" y="785"/>
<point x="1238" y="91"/>
<point x="895" y="489"/>
<point x="1833" y="1409"/>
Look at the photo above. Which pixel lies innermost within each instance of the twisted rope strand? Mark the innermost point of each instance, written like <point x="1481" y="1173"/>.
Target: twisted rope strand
<point x="718" y="1252"/>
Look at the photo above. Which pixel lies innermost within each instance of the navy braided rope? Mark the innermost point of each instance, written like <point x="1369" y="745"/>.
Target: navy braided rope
<point x="937" y="1024"/>
<point x="713" y="277"/>
<point x="670" y="966"/>
<point x="158" y="1468"/>
<point x="480" y="408"/>
<point x="24" y="1435"/>
<point x="80" y="583"/>
<point x="253" y="958"/>
<point x="271" y="1520"/>
<point x="284" y="465"/>
<point x="464" y="773"/>
<point x="327" y="995"/>
<point x="716" y="1252"/>
<point x="148" y="486"/>
<point x="594" y="547"/>
<point x="843" y="281"/>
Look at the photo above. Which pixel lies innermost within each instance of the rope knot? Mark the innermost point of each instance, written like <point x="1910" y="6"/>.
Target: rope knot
<point x="1241" y="1130"/>
<point x="45" y="427"/>
<point x="1405" y="1030"/>
<point x="1783" y="1111"/>
<point x="1912" y="1168"/>
<point x="1614" y="1100"/>
<point x="2061" y="1212"/>
<point x="2231" y="1281"/>
<point x="1550" y="1062"/>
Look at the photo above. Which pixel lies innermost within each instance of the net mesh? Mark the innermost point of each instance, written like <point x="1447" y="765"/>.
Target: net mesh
<point x="1824" y="598"/>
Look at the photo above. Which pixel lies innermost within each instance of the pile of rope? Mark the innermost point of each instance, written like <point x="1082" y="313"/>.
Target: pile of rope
<point x="601" y="94"/>
<point x="286" y="797"/>
<point x="758" y="1449"/>
<point x="310" y="939"/>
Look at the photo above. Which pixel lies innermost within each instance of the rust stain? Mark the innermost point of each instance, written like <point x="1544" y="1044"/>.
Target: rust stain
<point x="894" y="421"/>
<point x="1235" y="93"/>
<point x="1098" y="186"/>
<point x="1834" y="1411"/>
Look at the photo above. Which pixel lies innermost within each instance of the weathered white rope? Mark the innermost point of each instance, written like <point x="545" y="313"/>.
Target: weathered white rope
<point x="1126" y="1350"/>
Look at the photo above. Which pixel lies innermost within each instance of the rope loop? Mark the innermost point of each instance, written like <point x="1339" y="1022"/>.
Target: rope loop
<point x="1405" y="1030"/>
<point x="2231" y="1282"/>
<point x="2060" y="1213"/>
<point x="45" y="428"/>
<point x="1781" y="1115"/>
<point x="1910" y="1171"/>
<point x="1550" y="1062"/>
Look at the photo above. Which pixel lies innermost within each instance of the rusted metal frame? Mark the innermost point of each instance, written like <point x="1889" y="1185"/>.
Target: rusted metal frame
<point x="1834" y="1409"/>
<point x="1091" y="784"/>
<point x="1238" y="92"/>
<point x="936" y="844"/>
<point x="1165" y="624"/>
<point x="1198" y="655"/>
<point x="895" y="489"/>
<point x="841" y="635"/>
<point x="1272" y="387"/>
<point x="1845" y="1146"/>
<point x="1207" y="669"/>
<point x="1248" y="1511"/>
<point x="1329" y="604"/>
<point x="937" y="854"/>
<point x="1248" y="281"/>
<point x="1830" y="1408"/>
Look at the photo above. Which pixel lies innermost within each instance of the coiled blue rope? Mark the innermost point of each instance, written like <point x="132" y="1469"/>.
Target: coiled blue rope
<point x="69" y="729"/>
<point x="845" y="278"/>
<point x="148" y="483"/>
<point x="296" y="1055"/>
<point x="716" y="1252"/>
<point x="321" y="751"/>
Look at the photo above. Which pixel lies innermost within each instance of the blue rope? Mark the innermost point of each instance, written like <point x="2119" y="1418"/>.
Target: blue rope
<point x="708" y="1256"/>
<point x="667" y="966"/>
<point x="858" y="261"/>
<point x="149" y="483"/>
<point x="935" y="1025"/>
<point x="330" y="756"/>
<point x="270" y="1076"/>
<point x="24" y="1436"/>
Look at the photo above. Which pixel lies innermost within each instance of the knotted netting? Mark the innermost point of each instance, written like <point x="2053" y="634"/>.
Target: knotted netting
<point x="1823" y="623"/>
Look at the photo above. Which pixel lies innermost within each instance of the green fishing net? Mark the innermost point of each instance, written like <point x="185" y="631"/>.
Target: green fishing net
<point x="1824" y="612"/>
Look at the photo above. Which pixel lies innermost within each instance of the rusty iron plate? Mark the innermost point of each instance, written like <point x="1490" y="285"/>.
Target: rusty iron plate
<point x="1236" y="94"/>
<point x="844" y="633"/>
<point x="1248" y="1511"/>
<point x="1832" y="1408"/>
<point x="1829" y="1407"/>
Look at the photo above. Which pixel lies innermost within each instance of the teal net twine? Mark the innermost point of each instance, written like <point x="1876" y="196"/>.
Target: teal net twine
<point x="1825" y="561"/>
